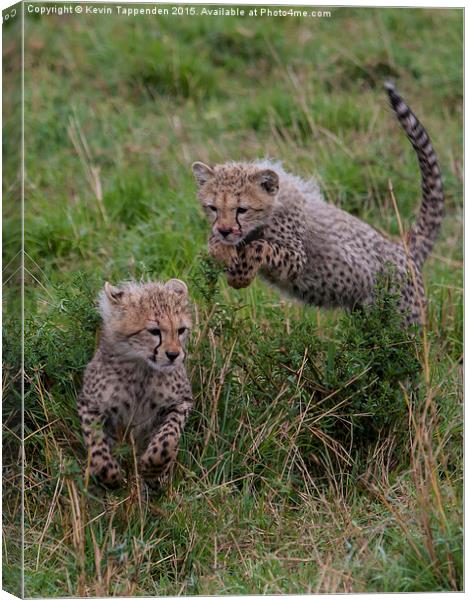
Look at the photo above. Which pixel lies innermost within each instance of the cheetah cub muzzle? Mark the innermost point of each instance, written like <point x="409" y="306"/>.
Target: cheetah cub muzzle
<point x="269" y="221"/>
<point x="136" y="382"/>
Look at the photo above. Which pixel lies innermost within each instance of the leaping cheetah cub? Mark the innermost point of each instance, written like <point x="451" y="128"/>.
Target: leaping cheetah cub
<point x="137" y="381"/>
<point x="265" y="219"/>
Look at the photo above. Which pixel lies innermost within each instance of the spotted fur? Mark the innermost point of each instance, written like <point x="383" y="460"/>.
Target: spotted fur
<point x="269" y="221"/>
<point x="137" y="383"/>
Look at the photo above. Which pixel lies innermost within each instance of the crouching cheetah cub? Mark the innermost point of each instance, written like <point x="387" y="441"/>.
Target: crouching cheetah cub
<point x="137" y="381"/>
<point x="265" y="219"/>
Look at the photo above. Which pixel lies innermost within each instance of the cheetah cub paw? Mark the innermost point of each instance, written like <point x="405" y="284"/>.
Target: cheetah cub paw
<point x="106" y="470"/>
<point x="245" y="267"/>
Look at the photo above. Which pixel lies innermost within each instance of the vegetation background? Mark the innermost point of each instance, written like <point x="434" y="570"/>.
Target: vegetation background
<point x="307" y="465"/>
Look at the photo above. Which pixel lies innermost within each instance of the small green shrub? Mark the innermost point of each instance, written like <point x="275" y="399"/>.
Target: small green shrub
<point x="329" y="399"/>
<point x="60" y="342"/>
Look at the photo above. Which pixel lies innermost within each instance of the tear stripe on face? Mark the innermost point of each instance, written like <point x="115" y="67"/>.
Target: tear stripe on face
<point x="238" y="222"/>
<point x="158" y="345"/>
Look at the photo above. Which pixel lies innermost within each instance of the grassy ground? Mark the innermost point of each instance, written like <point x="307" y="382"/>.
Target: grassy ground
<point x="306" y="466"/>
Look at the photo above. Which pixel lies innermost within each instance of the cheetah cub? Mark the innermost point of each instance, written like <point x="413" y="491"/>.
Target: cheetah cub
<point x="265" y="219"/>
<point x="137" y="382"/>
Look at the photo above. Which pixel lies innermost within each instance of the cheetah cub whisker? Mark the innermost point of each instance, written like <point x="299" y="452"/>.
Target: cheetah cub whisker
<point x="137" y="381"/>
<point x="269" y="221"/>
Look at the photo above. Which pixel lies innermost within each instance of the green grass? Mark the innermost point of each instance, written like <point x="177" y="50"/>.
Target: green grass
<point x="312" y="462"/>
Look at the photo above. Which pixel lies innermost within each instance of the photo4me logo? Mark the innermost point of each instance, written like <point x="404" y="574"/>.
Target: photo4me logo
<point x="175" y="11"/>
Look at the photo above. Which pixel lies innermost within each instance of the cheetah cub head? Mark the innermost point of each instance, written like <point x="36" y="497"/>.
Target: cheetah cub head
<point x="147" y="322"/>
<point x="237" y="198"/>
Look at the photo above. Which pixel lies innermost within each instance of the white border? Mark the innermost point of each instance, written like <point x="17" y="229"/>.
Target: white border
<point x="345" y="3"/>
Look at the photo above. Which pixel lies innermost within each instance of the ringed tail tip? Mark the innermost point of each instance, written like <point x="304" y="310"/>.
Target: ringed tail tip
<point x="392" y="94"/>
<point x="426" y="228"/>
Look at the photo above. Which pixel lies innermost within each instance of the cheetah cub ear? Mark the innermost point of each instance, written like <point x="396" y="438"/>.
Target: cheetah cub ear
<point x="202" y="173"/>
<point x="268" y="180"/>
<point x="113" y="293"/>
<point x="110" y="299"/>
<point x="178" y="286"/>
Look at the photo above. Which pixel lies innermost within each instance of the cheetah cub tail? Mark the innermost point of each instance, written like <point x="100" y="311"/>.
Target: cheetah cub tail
<point x="424" y="232"/>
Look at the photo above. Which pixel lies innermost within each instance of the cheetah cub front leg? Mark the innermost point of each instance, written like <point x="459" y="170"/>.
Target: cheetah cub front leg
<point x="244" y="268"/>
<point x="243" y="261"/>
<point x="101" y="464"/>
<point x="163" y="447"/>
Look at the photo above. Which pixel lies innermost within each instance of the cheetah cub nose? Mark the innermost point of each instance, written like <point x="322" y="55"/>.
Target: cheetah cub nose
<point x="224" y="232"/>
<point x="172" y="355"/>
